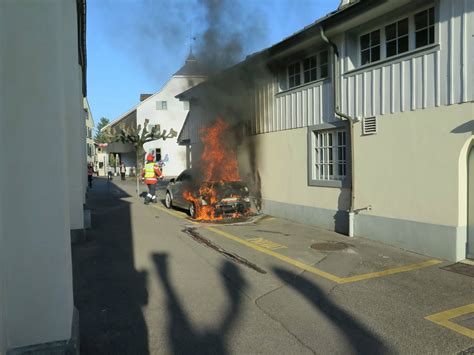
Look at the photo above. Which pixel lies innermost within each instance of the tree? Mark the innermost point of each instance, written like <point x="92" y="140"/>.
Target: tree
<point x="102" y="137"/>
<point x="138" y="137"/>
<point x="112" y="160"/>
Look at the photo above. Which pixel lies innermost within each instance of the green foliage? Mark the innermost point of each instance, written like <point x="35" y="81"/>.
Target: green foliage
<point x="102" y="137"/>
<point x="112" y="160"/>
<point x="138" y="137"/>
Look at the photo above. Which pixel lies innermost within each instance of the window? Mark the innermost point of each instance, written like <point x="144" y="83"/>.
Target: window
<point x="184" y="176"/>
<point x="186" y="105"/>
<point x="395" y="39"/>
<point x="314" y="67"/>
<point x="294" y="75"/>
<point x="424" y="28"/>
<point x="396" y="36"/>
<point x="310" y="71"/>
<point x="328" y="156"/>
<point x="370" y="47"/>
<point x="161" y="105"/>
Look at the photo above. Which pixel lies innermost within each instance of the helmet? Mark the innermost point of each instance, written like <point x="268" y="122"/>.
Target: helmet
<point x="150" y="157"/>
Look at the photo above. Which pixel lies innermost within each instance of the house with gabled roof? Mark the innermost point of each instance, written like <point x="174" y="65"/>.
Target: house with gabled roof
<point x="163" y="109"/>
<point x="362" y="123"/>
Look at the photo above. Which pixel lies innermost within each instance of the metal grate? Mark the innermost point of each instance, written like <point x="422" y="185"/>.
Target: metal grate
<point x="369" y="125"/>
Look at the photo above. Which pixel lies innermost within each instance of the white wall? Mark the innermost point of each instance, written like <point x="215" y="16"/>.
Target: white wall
<point x="77" y="161"/>
<point x="89" y="124"/>
<point x="438" y="75"/>
<point x="173" y="118"/>
<point x="409" y="170"/>
<point x="36" y="272"/>
<point x="102" y="158"/>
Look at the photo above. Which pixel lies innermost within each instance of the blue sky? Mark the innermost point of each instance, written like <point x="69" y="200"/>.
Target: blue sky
<point x="134" y="46"/>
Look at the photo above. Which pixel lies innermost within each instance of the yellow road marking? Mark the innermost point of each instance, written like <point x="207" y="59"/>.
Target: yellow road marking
<point x="266" y="249"/>
<point x="266" y="243"/>
<point x="171" y="212"/>
<point x="443" y="319"/>
<point x="392" y="271"/>
<point x="326" y="275"/>
<point x="276" y="255"/>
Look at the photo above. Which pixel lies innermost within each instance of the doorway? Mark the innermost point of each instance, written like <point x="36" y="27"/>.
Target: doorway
<point x="470" y="204"/>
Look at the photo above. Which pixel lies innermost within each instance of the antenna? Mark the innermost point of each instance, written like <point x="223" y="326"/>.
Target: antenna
<point x="192" y="39"/>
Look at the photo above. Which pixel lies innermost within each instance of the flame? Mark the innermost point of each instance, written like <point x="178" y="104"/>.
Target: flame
<point x="218" y="164"/>
<point x="219" y="159"/>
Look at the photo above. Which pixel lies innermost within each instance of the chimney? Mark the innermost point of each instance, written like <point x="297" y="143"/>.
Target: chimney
<point x="144" y="96"/>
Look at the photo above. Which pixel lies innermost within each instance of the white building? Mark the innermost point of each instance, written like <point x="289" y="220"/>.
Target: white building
<point x="162" y="108"/>
<point x="90" y="147"/>
<point x="43" y="59"/>
<point x="402" y="72"/>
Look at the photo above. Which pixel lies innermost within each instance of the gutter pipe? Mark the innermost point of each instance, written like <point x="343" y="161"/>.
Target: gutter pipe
<point x="335" y="86"/>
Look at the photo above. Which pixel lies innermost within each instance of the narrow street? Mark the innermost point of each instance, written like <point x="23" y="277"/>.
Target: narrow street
<point x="151" y="281"/>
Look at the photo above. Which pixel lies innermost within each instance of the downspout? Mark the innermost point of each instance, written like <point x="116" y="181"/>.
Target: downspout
<point x="335" y="86"/>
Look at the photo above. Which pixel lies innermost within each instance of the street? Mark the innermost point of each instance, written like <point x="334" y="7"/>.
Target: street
<point x="151" y="281"/>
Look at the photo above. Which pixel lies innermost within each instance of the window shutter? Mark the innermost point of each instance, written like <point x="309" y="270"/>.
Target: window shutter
<point x="369" y="125"/>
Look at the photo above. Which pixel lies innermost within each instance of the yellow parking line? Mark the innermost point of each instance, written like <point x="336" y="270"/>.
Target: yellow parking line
<point x="326" y="275"/>
<point x="171" y="212"/>
<point x="392" y="271"/>
<point x="309" y="268"/>
<point x="293" y="262"/>
<point x="267" y="243"/>
<point x="443" y="319"/>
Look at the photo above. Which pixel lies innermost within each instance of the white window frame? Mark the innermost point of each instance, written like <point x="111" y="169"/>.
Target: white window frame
<point x="411" y="35"/>
<point x="300" y="64"/>
<point x="397" y="37"/>
<point x="326" y="166"/>
<point x="296" y="64"/>
<point x="369" y="49"/>
<point x="427" y="27"/>
<point x="161" y="105"/>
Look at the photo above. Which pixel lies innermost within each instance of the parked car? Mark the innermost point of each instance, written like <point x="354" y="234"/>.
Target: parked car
<point x="222" y="198"/>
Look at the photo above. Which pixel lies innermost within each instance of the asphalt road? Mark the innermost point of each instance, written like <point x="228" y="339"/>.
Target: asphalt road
<point x="150" y="281"/>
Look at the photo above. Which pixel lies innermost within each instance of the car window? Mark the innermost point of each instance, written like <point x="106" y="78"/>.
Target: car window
<point x="184" y="176"/>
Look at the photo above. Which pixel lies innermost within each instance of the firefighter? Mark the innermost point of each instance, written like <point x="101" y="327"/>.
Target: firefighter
<point x="151" y="173"/>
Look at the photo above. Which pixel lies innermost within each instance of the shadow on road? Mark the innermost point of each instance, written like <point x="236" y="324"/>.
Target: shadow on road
<point x="186" y="339"/>
<point x="361" y="339"/>
<point x="108" y="291"/>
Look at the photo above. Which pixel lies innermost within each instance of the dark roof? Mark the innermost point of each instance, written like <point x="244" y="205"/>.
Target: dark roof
<point x="144" y="96"/>
<point x="191" y="67"/>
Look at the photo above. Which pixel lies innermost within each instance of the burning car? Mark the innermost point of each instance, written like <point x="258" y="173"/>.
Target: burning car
<point x="208" y="200"/>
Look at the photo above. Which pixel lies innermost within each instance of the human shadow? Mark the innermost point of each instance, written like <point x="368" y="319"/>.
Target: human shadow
<point x="108" y="291"/>
<point x="360" y="338"/>
<point x="184" y="337"/>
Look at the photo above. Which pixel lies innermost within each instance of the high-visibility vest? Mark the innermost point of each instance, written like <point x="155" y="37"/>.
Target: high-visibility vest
<point x="150" y="170"/>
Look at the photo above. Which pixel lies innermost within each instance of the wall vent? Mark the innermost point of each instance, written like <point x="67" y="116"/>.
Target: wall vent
<point x="369" y="125"/>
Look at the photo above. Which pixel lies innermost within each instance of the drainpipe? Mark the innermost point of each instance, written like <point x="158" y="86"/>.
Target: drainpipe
<point x="335" y="86"/>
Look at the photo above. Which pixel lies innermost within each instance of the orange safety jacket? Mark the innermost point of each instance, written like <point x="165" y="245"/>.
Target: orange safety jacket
<point x="151" y="173"/>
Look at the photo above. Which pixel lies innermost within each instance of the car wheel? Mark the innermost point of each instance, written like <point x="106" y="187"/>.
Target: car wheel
<point x="168" y="200"/>
<point x="192" y="210"/>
